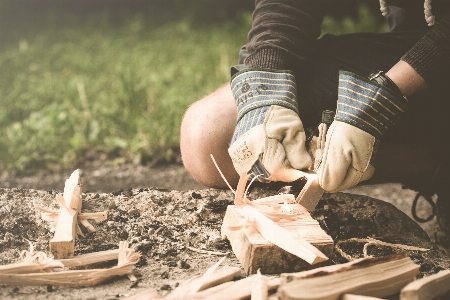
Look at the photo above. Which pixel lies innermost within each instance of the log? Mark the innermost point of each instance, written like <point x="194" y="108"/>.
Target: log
<point x="255" y="252"/>
<point x="428" y="287"/>
<point x="374" y="277"/>
<point x="63" y="242"/>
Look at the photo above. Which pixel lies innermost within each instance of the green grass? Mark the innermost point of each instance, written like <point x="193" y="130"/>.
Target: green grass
<point x="72" y="85"/>
<point x="95" y="86"/>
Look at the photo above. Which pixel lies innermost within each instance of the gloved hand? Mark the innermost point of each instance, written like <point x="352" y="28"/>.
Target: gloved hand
<point x="269" y="138"/>
<point x="366" y="109"/>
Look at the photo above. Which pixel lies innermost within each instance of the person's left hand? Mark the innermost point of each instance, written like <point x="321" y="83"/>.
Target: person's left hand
<point x="366" y="110"/>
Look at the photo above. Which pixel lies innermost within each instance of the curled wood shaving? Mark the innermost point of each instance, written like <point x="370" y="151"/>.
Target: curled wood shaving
<point x="30" y="262"/>
<point x="370" y="242"/>
<point x="49" y="276"/>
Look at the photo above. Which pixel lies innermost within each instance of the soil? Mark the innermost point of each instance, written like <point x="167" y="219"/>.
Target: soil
<point x="162" y="210"/>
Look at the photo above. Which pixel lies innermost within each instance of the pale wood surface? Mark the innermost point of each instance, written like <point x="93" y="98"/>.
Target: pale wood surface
<point x="241" y="289"/>
<point x="427" y="287"/>
<point x="310" y="193"/>
<point x="211" y="278"/>
<point x="91" y="258"/>
<point x="375" y="277"/>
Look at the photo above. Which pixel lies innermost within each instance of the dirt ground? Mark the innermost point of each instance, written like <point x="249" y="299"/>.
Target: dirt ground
<point x="162" y="210"/>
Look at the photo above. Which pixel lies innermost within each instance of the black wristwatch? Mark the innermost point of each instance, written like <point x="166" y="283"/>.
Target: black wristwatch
<point x="381" y="78"/>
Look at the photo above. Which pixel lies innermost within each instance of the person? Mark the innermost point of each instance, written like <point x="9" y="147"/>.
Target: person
<point x="390" y="92"/>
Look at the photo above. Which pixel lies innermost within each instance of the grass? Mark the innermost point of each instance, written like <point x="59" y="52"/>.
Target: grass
<point x="94" y="86"/>
<point x="71" y="85"/>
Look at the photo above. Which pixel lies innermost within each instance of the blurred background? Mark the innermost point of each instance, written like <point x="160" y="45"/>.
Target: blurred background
<point x="109" y="80"/>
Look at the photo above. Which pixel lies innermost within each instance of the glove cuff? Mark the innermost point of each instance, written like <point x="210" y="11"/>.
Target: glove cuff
<point x="256" y="88"/>
<point x="367" y="104"/>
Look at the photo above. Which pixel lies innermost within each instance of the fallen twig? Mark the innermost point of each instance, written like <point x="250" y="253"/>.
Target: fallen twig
<point x="206" y="251"/>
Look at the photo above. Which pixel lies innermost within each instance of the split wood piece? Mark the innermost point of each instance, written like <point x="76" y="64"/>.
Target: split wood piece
<point x="76" y="277"/>
<point x="271" y="231"/>
<point x="375" y="277"/>
<point x="240" y="289"/>
<point x="259" y="287"/>
<point x="63" y="242"/>
<point x="90" y="258"/>
<point x="311" y="193"/>
<point x="255" y="252"/>
<point x="427" y="287"/>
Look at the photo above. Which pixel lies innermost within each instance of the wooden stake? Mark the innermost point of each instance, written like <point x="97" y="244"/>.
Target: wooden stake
<point x="63" y="242"/>
<point x="427" y="287"/>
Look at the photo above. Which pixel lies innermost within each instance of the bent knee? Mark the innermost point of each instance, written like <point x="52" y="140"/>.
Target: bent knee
<point x="206" y="130"/>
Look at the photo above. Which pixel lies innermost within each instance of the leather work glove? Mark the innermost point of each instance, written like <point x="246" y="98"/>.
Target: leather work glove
<point x="366" y="109"/>
<point x="269" y="138"/>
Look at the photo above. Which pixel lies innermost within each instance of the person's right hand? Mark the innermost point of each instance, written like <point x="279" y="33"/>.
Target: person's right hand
<point x="269" y="138"/>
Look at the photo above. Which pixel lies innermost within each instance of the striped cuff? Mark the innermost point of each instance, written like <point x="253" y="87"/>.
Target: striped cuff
<point x="251" y="119"/>
<point x="367" y="105"/>
<point x="256" y="88"/>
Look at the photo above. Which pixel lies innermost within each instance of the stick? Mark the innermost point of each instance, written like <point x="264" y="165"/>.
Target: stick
<point x="212" y="277"/>
<point x="241" y="289"/>
<point x="90" y="258"/>
<point x="259" y="287"/>
<point x="206" y="251"/>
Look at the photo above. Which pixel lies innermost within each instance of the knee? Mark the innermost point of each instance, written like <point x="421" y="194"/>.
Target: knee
<point x="207" y="128"/>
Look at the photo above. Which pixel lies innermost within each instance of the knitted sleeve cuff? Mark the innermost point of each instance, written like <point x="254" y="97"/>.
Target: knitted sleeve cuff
<point x="269" y="58"/>
<point x="430" y="55"/>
